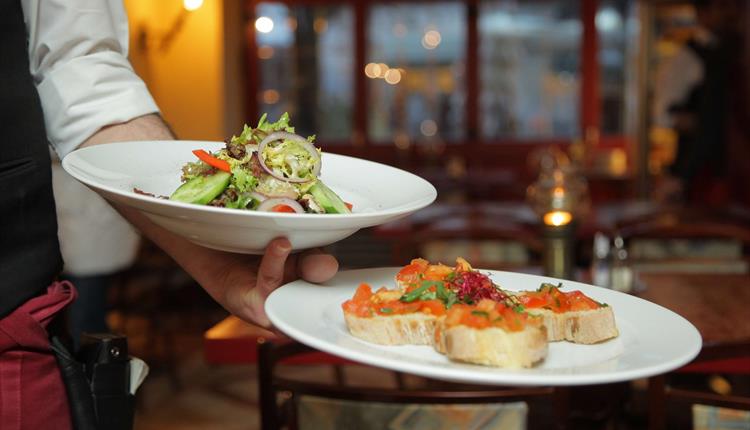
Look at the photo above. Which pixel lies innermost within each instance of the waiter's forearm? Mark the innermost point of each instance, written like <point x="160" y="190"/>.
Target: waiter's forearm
<point x="152" y="127"/>
<point x="147" y="127"/>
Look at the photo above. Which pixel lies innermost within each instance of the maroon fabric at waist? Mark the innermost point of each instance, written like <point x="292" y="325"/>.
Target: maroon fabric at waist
<point x="32" y="394"/>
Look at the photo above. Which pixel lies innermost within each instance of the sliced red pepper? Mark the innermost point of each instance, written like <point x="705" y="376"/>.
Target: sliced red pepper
<point x="212" y="161"/>
<point x="282" y="208"/>
<point x="349" y="205"/>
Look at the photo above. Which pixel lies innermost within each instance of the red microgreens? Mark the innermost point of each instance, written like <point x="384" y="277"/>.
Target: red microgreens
<point x="475" y="286"/>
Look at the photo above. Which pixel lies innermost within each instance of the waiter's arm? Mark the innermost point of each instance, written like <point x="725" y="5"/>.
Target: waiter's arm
<point x="240" y="283"/>
<point x="91" y="95"/>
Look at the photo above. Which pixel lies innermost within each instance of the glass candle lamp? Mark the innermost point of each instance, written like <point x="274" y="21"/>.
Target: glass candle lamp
<point x="559" y="196"/>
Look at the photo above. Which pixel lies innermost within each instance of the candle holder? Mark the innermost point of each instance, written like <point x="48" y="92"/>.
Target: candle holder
<point x="559" y="197"/>
<point x="558" y="233"/>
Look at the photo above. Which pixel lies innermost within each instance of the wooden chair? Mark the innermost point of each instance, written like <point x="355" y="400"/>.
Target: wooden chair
<point x="723" y="234"/>
<point x="486" y="239"/>
<point x="281" y="396"/>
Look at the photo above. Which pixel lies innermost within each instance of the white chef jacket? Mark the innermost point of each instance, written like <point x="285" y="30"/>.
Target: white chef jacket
<point x="78" y="59"/>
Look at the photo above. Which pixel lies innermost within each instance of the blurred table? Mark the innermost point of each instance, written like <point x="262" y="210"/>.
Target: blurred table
<point x="602" y="217"/>
<point x="233" y="341"/>
<point x="716" y="304"/>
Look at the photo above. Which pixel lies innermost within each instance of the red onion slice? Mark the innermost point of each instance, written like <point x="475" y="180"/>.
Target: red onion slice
<point x="268" y="205"/>
<point x="307" y="145"/>
<point x="258" y="196"/>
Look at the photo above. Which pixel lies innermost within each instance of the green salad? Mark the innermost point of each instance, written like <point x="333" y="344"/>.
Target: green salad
<point x="266" y="168"/>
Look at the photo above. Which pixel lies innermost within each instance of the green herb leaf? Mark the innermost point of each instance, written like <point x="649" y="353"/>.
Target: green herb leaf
<point x="451" y="300"/>
<point x="386" y="310"/>
<point x="480" y="314"/>
<point x="519" y="309"/>
<point x="417" y="293"/>
<point x="428" y="295"/>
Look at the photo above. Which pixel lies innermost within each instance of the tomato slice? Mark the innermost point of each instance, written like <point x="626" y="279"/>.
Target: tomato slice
<point x="282" y="208"/>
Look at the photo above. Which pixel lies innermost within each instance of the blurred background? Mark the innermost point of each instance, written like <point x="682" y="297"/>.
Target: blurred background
<point x="613" y="112"/>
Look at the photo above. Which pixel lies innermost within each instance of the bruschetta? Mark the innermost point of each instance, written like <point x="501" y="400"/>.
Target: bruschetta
<point x="491" y="333"/>
<point x="391" y="317"/>
<point x="571" y="315"/>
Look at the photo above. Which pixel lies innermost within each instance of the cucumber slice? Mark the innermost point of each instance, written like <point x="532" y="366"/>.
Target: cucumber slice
<point x="328" y="200"/>
<point x="202" y="189"/>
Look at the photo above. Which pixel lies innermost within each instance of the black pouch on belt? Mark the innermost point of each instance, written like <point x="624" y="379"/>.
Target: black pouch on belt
<point x="107" y="366"/>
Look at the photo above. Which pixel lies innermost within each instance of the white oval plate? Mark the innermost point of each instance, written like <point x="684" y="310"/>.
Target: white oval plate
<point x="378" y="192"/>
<point x="653" y="340"/>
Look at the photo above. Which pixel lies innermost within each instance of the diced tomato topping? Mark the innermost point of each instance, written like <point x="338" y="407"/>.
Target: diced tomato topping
<point x="432" y="307"/>
<point x="577" y="301"/>
<point x="489" y="314"/>
<point x="411" y="273"/>
<point x="363" y="293"/>
<point x="437" y="272"/>
<point x="534" y="300"/>
<point x="557" y="301"/>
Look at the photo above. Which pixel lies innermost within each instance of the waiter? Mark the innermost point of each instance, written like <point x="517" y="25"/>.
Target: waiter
<point x="65" y="80"/>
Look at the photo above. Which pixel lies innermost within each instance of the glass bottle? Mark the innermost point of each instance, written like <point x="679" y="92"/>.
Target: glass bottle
<point x="600" y="261"/>
<point x="622" y="273"/>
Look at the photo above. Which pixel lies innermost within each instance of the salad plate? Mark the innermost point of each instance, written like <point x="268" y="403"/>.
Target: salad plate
<point x="652" y="340"/>
<point x="378" y="194"/>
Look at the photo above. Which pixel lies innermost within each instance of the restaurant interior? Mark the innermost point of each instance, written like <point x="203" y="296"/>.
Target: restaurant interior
<point x="604" y="141"/>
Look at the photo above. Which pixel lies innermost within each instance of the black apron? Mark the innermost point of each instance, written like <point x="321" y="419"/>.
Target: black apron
<point x="29" y="251"/>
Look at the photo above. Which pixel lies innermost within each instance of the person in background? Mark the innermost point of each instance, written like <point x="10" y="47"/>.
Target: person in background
<point x="65" y="80"/>
<point x="96" y="243"/>
<point x="691" y="97"/>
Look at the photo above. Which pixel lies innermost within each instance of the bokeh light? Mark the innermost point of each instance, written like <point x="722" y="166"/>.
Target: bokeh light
<point x="264" y="24"/>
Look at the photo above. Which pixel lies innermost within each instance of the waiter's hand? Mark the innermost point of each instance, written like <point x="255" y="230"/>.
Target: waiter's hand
<point x="240" y="283"/>
<point x="244" y="282"/>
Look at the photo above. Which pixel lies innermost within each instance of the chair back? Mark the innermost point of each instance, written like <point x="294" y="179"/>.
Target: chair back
<point x="688" y="240"/>
<point x="487" y="239"/>
<point x="286" y="401"/>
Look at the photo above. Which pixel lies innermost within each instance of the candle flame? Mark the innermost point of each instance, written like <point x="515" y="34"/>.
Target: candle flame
<point x="557" y="218"/>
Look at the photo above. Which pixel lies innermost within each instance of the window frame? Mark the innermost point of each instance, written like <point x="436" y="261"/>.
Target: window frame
<point x="474" y="149"/>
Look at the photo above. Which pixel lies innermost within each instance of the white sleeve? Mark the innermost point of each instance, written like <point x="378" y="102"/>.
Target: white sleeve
<point x="675" y="78"/>
<point x="78" y="59"/>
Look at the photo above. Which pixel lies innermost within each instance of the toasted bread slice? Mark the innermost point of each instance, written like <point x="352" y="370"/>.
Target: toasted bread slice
<point x="569" y="315"/>
<point x="586" y="326"/>
<point x="491" y="333"/>
<point x="492" y="346"/>
<point x="407" y="329"/>
<point x="382" y="317"/>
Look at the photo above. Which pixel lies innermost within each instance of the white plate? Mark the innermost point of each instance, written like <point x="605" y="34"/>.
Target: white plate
<point x="378" y="192"/>
<point x="653" y="340"/>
